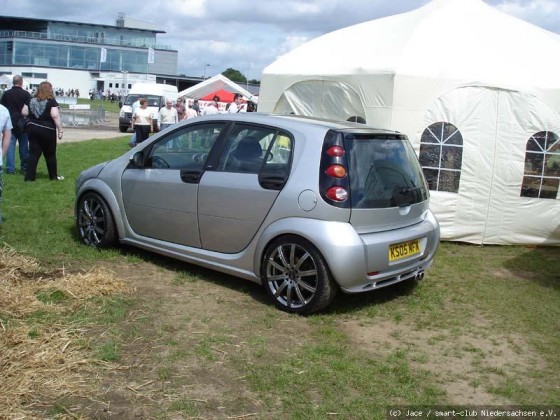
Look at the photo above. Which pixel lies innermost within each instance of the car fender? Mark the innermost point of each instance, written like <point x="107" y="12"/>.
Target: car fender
<point x="338" y="242"/>
<point x="100" y="187"/>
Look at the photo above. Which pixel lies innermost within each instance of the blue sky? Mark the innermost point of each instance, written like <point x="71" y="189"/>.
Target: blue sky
<point x="249" y="35"/>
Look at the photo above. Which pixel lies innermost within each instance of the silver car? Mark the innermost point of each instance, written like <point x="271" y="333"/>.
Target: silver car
<point x="303" y="206"/>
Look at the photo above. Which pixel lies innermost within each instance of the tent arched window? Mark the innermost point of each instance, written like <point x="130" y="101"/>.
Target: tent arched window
<point x="542" y="166"/>
<point x="441" y="156"/>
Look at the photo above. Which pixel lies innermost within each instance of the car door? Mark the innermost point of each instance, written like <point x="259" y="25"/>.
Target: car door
<point x="235" y="197"/>
<point x="160" y="191"/>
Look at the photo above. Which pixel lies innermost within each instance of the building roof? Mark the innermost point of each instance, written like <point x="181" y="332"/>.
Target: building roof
<point x="33" y="24"/>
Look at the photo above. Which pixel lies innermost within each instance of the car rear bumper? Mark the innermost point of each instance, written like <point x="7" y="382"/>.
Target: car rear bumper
<point x="365" y="265"/>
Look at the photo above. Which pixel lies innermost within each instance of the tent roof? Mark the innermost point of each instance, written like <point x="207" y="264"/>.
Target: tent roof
<point x="464" y="40"/>
<point x="215" y="84"/>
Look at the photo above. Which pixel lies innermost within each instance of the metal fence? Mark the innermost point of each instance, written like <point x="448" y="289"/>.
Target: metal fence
<point x="77" y="115"/>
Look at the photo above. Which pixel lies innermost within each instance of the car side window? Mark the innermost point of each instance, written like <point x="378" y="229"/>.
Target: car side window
<point x="187" y="148"/>
<point x="249" y="149"/>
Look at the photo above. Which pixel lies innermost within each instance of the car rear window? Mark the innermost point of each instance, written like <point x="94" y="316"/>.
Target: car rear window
<point x="383" y="171"/>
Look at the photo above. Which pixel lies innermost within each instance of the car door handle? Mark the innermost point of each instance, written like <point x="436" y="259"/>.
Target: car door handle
<point x="191" y="177"/>
<point x="272" y="182"/>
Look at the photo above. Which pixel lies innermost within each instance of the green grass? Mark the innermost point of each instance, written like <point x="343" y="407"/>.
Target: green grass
<point x="107" y="105"/>
<point x="39" y="216"/>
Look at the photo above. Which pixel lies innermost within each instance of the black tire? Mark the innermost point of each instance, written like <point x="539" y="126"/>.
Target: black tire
<point x="296" y="276"/>
<point x="94" y="222"/>
<point x="123" y="128"/>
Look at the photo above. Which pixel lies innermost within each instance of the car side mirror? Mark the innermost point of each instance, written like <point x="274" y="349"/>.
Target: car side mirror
<point x="137" y="159"/>
<point x="120" y="104"/>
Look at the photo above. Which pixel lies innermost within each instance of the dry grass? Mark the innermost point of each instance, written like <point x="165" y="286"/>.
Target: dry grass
<point x="40" y="365"/>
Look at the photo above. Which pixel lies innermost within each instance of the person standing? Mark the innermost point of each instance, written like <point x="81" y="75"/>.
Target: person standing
<point x="134" y="107"/>
<point x="142" y="121"/>
<point x="168" y="115"/>
<point x="180" y="107"/>
<point x="43" y="128"/>
<point x="6" y="133"/>
<point x="212" y="107"/>
<point x="191" y="113"/>
<point x="236" y="105"/>
<point x="14" y="99"/>
<point x="196" y="107"/>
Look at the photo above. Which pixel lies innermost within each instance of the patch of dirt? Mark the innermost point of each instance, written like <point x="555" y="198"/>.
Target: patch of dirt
<point x="465" y="366"/>
<point x="199" y="333"/>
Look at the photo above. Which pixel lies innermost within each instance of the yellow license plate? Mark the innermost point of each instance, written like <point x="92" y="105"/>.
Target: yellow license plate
<point x="403" y="250"/>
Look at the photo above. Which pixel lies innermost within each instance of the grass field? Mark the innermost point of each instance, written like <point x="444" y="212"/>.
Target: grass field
<point x="163" y="339"/>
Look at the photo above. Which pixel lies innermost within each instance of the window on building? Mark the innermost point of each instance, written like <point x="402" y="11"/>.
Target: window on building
<point x="6" y="53"/>
<point x="542" y="166"/>
<point x="441" y="156"/>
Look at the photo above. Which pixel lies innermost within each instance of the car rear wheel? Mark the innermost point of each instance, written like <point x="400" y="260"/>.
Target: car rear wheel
<point x="296" y="277"/>
<point x="95" y="222"/>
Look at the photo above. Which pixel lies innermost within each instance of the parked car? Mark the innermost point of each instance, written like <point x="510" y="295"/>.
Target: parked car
<point x="303" y="206"/>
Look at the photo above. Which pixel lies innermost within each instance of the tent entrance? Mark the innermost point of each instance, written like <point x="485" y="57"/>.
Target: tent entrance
<point x="323" y="99"/>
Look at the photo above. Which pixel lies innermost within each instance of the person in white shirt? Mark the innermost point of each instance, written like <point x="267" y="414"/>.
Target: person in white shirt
<point x="5" y="136"/>
<point x="168" y="115"/>
<point x="191" y="113"/>
<point x="210" y="109"/>
<point x="236" y="105"/>
<point x="142" y="121"/>
<point x="134" y="107"/>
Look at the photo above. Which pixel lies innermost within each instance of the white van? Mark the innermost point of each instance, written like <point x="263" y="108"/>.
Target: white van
<point x="155" y="93"/>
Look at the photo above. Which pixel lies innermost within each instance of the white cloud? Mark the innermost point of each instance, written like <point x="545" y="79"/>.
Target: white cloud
<point x="522" y="8"/>
<point x="195" y="8"/>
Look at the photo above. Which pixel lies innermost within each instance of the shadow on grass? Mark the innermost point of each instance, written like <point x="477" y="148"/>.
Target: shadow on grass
<point x="539" y="265"/>
<point x="343" y="303"/>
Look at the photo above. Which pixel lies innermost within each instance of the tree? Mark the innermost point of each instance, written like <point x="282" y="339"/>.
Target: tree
<point x="234" y="75"/>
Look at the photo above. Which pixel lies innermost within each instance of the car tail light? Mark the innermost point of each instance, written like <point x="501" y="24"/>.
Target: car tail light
<point x="336" y="171"/>
<point x="335" y="151"/>
<point x="334" y="182"/>
<point x="338" y="194"/>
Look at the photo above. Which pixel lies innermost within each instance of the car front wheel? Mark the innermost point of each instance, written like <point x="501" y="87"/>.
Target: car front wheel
<point x="95" y="222"/>
<point x="296" y="276"/>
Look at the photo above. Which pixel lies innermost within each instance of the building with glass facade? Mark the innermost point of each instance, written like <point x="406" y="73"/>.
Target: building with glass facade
<point x="84" y="56"/>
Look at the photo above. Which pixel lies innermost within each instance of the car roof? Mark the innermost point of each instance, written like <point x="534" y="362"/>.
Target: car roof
<point x="299" y="121"/>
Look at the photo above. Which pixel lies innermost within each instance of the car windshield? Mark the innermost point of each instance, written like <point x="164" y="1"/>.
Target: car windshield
<point x="152" y="99"/>
<point x="130" y="99"/>
<point x="383" y="171"/>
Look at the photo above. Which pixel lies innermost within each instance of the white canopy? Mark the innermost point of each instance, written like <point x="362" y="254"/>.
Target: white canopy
<point x="477" y="92"/>
<point x="214" y="84"/>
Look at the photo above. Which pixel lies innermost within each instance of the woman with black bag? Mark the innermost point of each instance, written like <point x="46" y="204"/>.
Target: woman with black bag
<point x="43" y="129"/>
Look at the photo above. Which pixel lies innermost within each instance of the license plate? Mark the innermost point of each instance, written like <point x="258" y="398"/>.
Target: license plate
<point x="403" y="250"/>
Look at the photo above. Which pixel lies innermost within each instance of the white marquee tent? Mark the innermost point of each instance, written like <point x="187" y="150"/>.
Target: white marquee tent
<point x="477" y="92"/>
<point x="214" y="84"/>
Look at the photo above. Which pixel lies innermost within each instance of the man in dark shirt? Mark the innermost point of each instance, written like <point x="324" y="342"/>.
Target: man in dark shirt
<point x="14" y="99"/>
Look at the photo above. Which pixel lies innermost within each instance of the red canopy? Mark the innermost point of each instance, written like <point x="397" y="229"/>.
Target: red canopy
<point x="224" y="95"/>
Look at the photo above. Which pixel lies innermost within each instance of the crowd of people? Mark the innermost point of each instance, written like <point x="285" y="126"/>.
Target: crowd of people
<point x="174" y="112"/>
<point x="106" y="95"/>
<point x="71" y="93"/>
